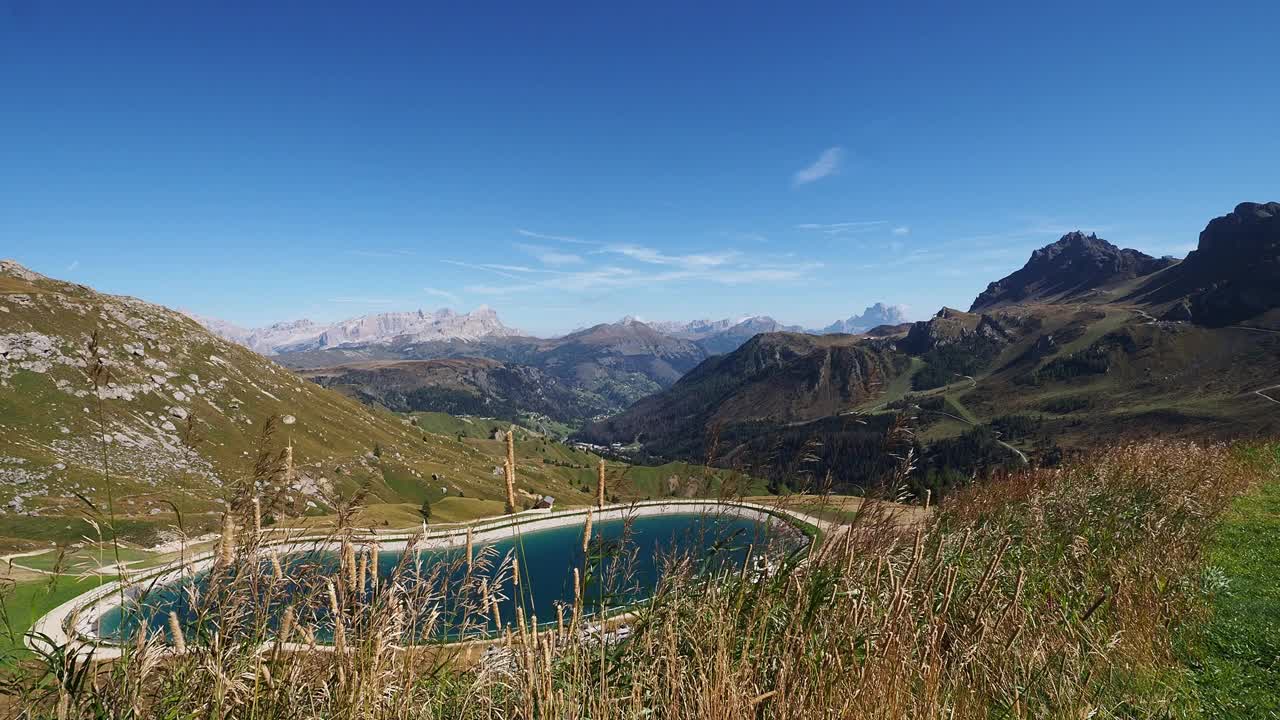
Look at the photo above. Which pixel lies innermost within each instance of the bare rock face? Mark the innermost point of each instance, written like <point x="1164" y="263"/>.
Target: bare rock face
<point x="1069" y="268"/>
<point x="1233" y="275"/>
<point x="13" y="269"/>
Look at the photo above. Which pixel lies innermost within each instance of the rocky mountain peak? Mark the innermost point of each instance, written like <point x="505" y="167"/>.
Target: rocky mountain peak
<point x="1074" y="265"/>
<point x="1232" y="275"/>
<point x="874" y="316"/>
<point x="13" y="268"/>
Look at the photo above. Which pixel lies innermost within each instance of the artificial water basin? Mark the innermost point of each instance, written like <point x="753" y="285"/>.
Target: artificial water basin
<point x="625" y="561"/>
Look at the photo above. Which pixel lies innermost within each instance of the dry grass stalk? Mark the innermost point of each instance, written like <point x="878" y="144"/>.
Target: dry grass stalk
<point x="510" y="470"/>
<point x="175" y="633"/>
<point x="600" y="484"/>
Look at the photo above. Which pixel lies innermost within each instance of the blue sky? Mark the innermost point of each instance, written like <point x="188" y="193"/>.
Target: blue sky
<point x="572" y="163"/>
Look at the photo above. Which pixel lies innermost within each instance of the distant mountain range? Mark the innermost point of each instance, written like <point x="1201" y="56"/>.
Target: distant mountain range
<point x="608" y="366"/>
<point x="588" y="373"/>
<point x="381" y="329"/>
<point x="721" y="336"/>
<point x="445" y="325"/>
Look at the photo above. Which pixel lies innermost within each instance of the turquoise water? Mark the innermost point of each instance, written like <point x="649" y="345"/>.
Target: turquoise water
<point x="625" y="562"/>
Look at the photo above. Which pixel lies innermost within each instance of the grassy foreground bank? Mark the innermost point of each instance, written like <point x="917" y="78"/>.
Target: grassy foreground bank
<point x="1236" y="655"/>
<point x="1048" y="594"/>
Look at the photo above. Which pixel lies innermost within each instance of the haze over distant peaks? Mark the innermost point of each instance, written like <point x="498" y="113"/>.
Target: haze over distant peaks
<point x="873" y="316"/>
<point x="379" y="329"/>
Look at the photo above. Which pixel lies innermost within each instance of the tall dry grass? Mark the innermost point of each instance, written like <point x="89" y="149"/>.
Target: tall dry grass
<point x="1045" y="594"/>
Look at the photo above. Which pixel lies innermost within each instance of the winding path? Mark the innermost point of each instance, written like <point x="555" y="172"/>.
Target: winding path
<point x="1263" y="393"/>
<point x="1015" y="450"/>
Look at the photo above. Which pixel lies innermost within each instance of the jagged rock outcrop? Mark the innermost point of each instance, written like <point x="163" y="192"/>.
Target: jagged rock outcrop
<point x="1070" y="268"/>
<point x="950" y="326"/>
<point x="1233" y="275"/>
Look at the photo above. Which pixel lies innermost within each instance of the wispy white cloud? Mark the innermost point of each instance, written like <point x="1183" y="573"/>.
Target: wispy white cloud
<point x="902" y="230"/>
<point x="512" y="268"/>
<point x="609" y="278"/>
<point x="383" y="254"/>
<point x="652" y="256"/>
<point x="75" y="265"/>
<point x="827" y="164"/>
<point x="555" y="238"/>
<point x="447" y="296"/>
<point x="505" y="271"/>
<point x="549" y="256"/>
<point x="844" y="228"/>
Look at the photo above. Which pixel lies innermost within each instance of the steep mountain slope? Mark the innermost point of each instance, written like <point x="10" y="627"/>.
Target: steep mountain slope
<point x="1233" y="275"/>
<point x="180" y="418"/>
<point x="773" y="381"/>
<point x="459" y="386"/>
<point x="368" y="330"/>
<point x="1068" y="269"/>
<point x="606" y="352"/>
